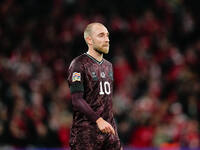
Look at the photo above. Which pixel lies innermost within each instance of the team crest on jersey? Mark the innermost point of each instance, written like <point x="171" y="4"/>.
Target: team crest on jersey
<point x="76" y="77"/>
<point x="103" y="75"/>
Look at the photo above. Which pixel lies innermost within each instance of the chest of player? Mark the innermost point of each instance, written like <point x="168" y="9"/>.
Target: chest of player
<point x="100" y="78"/>
<point x="97" y="72"/>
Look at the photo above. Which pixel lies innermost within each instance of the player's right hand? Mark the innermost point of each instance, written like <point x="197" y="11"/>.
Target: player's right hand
<point x="104" y="126"/>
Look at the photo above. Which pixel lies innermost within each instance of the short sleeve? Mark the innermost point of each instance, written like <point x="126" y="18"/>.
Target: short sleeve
<point x="76" y="77"/>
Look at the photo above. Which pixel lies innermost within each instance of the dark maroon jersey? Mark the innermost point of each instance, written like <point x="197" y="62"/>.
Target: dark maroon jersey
<point x="95" y="80"/>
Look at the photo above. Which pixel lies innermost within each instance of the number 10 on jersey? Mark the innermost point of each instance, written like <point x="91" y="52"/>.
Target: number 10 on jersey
<point x="104" y="88"/>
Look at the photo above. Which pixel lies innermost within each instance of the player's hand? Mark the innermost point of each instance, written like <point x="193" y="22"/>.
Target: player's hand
<point x="104" y="126"/>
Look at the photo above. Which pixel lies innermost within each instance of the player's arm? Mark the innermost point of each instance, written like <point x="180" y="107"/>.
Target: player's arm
<point x="81" y="105"/>
<point x="76" y="81"/>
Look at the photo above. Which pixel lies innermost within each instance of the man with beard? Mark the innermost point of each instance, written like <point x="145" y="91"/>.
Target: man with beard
<point x="91" y="84"/>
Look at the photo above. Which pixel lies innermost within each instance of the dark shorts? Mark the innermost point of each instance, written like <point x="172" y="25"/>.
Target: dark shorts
<point x="88" y="139"/>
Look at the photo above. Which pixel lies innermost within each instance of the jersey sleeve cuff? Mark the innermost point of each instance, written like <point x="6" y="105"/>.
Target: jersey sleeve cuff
<point x="94" y="117"/>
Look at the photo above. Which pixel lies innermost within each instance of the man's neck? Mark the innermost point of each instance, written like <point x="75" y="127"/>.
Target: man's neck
<point x="95" y="54"/>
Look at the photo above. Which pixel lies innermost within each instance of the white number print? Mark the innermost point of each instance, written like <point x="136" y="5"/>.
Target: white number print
<point x="104" y="88"/>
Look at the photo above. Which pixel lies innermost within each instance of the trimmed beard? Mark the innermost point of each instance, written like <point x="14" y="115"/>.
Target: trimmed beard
<point x="98" y="51"/>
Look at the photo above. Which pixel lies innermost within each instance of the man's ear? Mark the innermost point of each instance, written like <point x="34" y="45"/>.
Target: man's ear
<point x="89" y="40"/>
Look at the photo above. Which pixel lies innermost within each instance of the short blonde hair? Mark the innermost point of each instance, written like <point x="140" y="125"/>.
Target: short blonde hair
<point x="88" y="29"/>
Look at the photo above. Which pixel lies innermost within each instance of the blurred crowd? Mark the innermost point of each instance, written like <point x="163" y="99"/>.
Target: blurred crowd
<point x="155" y="47"/>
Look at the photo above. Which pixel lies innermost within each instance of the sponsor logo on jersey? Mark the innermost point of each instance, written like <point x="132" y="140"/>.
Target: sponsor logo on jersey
<point x="76" y="76"/>
<point x="94" y="76"/>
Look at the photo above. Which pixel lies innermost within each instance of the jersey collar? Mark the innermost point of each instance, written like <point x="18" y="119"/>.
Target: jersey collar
<point x="99" y="62"/>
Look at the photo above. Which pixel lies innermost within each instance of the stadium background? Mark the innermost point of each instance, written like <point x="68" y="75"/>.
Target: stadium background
<point x="155" y="51"/>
